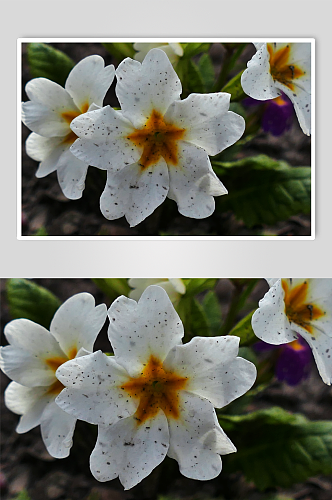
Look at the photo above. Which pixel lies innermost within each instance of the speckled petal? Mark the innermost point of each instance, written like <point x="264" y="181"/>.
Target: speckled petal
<point x="130" y="451"/>
<point x="93" y="389"/>
<point x="197" y="440"/>
<point x="135" y="193"/>
<point x="103" y="139"/>
<point x="321" y="345"/>
<point x="193" y="182"/>
<point x="301" y="100"/>
<point x="256" y="80"/>
<point x="57" y="428"/>
<point x="269" y="321"/>
<point x="88" y="81"/>
<point x="142" y="88"/>
<point x="71" y="174"/>
<point x="207" y="121"/>
<point x="139" y="330"/>
<point x="43" y="113"/>
<point x="77" y="323"/>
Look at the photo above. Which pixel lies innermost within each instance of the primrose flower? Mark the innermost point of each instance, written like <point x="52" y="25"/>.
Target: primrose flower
<point x="173" y="286"/>
<point x="295" y="308"/>
<point x="32" y="358"/>
<point x="282" y="67"/>
<point x="277" y="116"/>
<point x="155" y="396"/>
<point x="49" y="113"/>
<point x="157" y="146"/>
<point x="173" y="50"/>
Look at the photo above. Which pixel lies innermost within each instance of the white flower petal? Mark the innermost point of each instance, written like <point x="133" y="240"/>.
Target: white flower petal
<point x="135" y="192"/>
<point x="142" y="88"/>
<point x="103" y="139"/>
<point x="57" y="428"/>
<point x="130" y="451"/>
<point x="71" y="174"/>
<point x="28" y="402"/>
<point x="47" y="150"/>
<point x="43" y="113"/>
<point x="197" y="440"/>
<point x="77" y="323"/>
<point x="93" y="391"/>
<point x="321" y="345"/>
<point x="207" y="121"/>
<point x="301" y="100"/>
<point x="173" y="50"/>
<point x="270" y="322"/>
<point x="256" y="80"/>
<point x="193" y="182"/>
<point x="88" y="81"/>
<point x="139" y="330"/>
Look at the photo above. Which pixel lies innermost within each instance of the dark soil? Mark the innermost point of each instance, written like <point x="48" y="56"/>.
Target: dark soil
<point x="46" y="211"/>
<point x="27" y="465"/>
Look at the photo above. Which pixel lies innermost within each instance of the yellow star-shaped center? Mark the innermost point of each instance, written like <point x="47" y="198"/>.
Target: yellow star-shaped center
<point x="157" y="139"/>
<point x="281" y="67"/>
<point x="156" y="389"/>
<point x="298" y="308"/>
<point x="54" y="364"/>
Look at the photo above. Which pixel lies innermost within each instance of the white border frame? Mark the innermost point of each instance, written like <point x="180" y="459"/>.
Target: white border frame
<point x="20" y="41"/>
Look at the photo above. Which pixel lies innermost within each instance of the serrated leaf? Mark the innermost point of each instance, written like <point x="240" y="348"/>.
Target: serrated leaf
<point x="120" y="50"/>
<point x="264" y="191"/>
<point x="28" y="300"/>
<point x="113" y="287"/>
<point x="206" y="69"/>
<point x="277" y="448"/>
<point x="234" y="88"/>
<point x="47" y="62"/>
<point x="212" y="310"/>
<point x="244" y="330"/>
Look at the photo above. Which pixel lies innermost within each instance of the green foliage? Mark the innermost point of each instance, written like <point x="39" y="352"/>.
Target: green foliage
<point x="192" y="49"/>
<point x="277" y="448"/>
<point x="234" y="88"/>
<point x="41" y="231"/>
<point x="28" y="300"/>
<point x="113" y="287"/>
<point x="197" y="285"/>
<point x="206" y="69"/>
<point x="22" y="495"/>
<point x="262" y="190"/>
<point x="244" y="330"/>
<point x="120" y="50"/>
<point x="211" y="307"/>
<point x="193" y="317"/>
<point x="48" y="62"/>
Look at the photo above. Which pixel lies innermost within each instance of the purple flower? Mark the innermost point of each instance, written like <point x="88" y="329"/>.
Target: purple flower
<point x="277" y="115"/>
<point x="293" y="363"/>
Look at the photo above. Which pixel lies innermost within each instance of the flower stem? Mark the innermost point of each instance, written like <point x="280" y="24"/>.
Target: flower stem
<point x="230" y="60"/>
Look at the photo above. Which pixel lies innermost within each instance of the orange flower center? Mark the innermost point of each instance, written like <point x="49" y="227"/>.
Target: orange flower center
<point x="157" y="139"/>
<point x="297" y="308"/>
<point x="68" y="116"/>
<point x="54" y="364"/>
<point x="156" y="389"/>
<point x="281" y="67"/>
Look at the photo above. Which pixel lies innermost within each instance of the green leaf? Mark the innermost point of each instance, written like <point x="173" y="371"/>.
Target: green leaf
<point x="262" y="190"/>
<point x="47" y="62"/>
<point x="206" y="69"/>
<point x="234" y="88"/>
<point x="212" y="310"/>
<point x="22" y="495"/>
<point x="120" y="50"/>
<point x="113" y="287"/>
<point x="277" y="448"/>
<point x="193" y="317"/>
<point x="190" y="77"/>
<point x="244" y="330"/>
<point x="197" y="285"/>
<point x="192" y="49"/>
<point x="28" y="300"/>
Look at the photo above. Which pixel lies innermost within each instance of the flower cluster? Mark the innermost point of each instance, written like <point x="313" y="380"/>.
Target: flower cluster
<point x="154" y="397"/>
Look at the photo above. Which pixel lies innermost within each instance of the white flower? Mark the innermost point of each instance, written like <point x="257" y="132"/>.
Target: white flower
<point x="49" y="113"/>
<point x="32" y="358"/>
<point x="173" y="50"/>
<point x="157" y="145"/>
<point x="173" y="286"/>
<point x="155" y="396"/>
<point x="294" y="308"/>
<point x="282" y="67"/>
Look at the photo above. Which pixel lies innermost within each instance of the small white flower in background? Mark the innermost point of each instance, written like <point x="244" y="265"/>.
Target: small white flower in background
<point x="173" y="286"/>
<point x="32" y="358"/>
<point x="282" y="67"/>
<point x="157" y="146"/>
<point x="155" y="396"/>
<point x="173" y="50"/>
<point x="294" y="308"/>
<point x="49" y="113"/>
